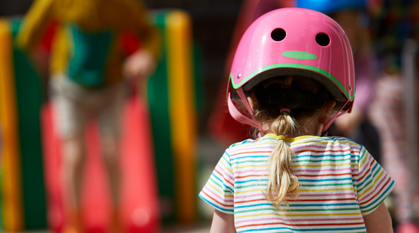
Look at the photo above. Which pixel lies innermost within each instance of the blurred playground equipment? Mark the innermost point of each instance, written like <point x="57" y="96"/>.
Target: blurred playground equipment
<point x="175" y="96"/>
<point x="158" y="153"/>
<point x="23" y="198"/>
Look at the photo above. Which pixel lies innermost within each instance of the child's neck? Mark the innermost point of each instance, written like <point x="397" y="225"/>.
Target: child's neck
<point x="303" y="128"/>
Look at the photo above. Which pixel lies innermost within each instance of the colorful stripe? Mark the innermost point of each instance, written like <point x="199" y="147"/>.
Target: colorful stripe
<point x="340" y="182"/>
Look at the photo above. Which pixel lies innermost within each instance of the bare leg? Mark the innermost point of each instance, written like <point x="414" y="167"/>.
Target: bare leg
<point x="74" y="159"/>
<point x="110" y="120"/>
<point x="110" y="151"/>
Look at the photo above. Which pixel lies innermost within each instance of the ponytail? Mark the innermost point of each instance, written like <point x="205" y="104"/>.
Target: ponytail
<point x="282" y="182"/>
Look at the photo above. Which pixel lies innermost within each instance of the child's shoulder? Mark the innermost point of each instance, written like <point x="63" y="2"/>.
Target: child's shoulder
<point x="330" y="145"/>
<point x="336" y="144"/>
<point x="251" y="144"/>
<point x="329" y="140"/>
<point x="338" y="139"/>
<point x="269" y="143"/>
<point x="342" y="140"/>
<point x="241" y="144"/>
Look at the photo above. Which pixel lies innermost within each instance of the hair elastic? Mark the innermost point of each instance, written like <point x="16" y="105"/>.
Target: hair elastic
<point x="277" y="137"/>
<point x="285" y="110"/>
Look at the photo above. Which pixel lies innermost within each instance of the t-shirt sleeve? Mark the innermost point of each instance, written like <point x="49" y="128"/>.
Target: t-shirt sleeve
<point x="219" y="189"/>
<point x="373" y="183"/>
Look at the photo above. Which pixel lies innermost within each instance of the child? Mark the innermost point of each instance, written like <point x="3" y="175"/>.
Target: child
<point x="395" y="22"/>
<point x="88" y="64"/>
<point x="293" y="73"/>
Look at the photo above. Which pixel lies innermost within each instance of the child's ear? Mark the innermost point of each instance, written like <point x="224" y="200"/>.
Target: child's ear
<point x="325" y="115"/>
<point x="252" y="98"/>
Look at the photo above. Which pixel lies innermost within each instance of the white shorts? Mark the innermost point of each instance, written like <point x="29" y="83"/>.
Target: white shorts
<point x="74" y="105"/>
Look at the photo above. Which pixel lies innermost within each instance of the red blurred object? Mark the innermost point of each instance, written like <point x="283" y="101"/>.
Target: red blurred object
<point x="221" y="125"/>
<point x="408" y="227"/>
<point x="139" y="205"/>
<point x="130" y="42"/>
<point x="46" y="41"/>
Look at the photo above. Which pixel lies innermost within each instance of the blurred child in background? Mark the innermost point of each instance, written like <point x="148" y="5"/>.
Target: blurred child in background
<point x="395" y="21"/>
<point x="291" y="77"/>
<point x="88" y="66"/>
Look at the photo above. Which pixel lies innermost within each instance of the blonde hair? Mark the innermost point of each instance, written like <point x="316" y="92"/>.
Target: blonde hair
<point x="282" y="182"/>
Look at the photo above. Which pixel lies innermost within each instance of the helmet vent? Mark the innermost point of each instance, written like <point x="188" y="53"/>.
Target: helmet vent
<point x="322" y="39"/>
<point x="278" y="34"/>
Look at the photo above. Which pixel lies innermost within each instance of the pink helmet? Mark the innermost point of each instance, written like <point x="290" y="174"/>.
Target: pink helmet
<point x="293" y="41"/>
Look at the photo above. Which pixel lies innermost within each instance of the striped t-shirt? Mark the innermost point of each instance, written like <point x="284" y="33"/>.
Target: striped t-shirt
<point x="340" y="182"/>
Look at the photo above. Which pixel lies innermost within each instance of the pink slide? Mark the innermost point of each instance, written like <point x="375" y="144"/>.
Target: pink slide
<point x="139" y="206"/>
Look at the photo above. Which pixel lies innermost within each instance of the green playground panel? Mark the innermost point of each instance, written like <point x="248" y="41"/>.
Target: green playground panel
<point x="29" y="100"/>
<point x="158" y="102"/>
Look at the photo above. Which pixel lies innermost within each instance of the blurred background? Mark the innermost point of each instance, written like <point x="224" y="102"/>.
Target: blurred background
<point x="213" y="24"/>
<point x="207" y="32"/>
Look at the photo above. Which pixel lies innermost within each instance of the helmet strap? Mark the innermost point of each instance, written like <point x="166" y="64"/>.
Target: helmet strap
<point x="244" y="100"/>
<point x="236" y="114"/>
<point x="338" y="114"/>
